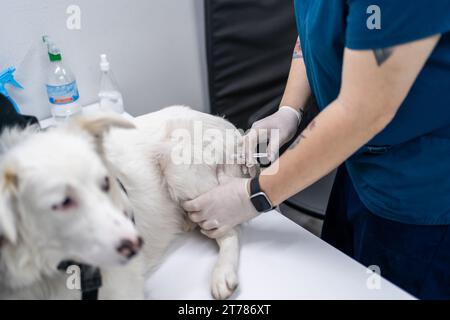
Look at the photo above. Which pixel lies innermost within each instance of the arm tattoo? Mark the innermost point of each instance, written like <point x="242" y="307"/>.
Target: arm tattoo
<point x="302" y="136"/>
<point x="381" y="55"/>
<point x="298" y="53"/>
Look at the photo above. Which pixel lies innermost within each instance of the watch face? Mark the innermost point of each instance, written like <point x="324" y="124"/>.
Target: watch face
<point x="261" y="203"/>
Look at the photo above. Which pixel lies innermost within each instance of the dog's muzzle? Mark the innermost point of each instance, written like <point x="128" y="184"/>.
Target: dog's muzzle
<point x="128" y="248"/>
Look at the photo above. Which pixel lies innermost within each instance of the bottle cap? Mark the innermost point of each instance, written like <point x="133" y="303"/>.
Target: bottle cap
<point x="104" y="64"/>
<point x="54" y="53"/>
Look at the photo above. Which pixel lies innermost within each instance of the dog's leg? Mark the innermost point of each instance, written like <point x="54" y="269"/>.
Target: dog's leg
<point x="225" y="275"/>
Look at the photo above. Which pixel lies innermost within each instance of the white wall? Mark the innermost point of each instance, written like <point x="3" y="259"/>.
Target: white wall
<point x="156" y="49"/>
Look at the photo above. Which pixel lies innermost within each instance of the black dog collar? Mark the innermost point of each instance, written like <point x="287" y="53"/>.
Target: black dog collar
<point x="91" y="279"/>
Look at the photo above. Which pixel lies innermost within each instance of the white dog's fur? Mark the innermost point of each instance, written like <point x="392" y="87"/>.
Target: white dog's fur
<point x="39" y="170"/>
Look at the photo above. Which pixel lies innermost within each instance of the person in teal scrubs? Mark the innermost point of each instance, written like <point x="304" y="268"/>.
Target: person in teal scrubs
<point x="380" y="71"/>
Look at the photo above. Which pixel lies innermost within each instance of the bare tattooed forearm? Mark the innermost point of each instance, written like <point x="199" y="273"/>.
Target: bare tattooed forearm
<point x="298" y="53"/>
<point x="381" y="55"/>
<point x="297" y="91"/>
<point x="368" y="100"/>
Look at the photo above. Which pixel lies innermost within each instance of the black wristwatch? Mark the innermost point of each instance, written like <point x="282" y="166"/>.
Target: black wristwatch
<point x="260" y="200"/>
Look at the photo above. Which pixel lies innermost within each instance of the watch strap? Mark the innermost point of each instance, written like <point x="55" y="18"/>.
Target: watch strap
<point x="258" y="197"/>
<point x="255" y="187"/>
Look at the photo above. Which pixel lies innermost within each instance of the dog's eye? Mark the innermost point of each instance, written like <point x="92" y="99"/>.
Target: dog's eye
<point x="106" y="185"/>
<point x="66" y="204"/>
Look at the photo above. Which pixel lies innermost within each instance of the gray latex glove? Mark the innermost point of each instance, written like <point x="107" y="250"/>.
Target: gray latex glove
<point x="222" y="208"/>
<point x="277" y="129"/>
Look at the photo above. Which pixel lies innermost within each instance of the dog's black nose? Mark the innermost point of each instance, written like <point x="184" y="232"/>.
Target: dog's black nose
<point x="128" y="248"/>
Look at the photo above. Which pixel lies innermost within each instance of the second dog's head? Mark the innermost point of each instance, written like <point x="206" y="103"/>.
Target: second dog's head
<point x="58" y="199"/>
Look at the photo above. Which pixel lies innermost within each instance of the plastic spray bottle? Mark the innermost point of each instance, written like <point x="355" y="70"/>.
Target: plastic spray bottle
<point x="61" y="84"/>
<point x="7" y="77"/>
<point x="110" y="96"/>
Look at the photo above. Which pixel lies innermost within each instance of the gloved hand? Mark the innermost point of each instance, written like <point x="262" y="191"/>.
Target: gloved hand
<point x="222" y="208"/>
<point x="277" y="128"/>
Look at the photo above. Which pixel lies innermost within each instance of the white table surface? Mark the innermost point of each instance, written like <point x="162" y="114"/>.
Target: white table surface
<point x="279" y="260"/>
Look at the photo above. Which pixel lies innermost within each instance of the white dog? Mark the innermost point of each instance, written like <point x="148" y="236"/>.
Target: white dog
<point x="61" y="199"/>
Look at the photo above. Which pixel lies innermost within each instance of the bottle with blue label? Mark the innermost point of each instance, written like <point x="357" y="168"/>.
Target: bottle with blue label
<point x="61" y="85"/>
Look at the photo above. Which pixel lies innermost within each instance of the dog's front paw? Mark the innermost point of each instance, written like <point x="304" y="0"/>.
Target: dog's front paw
<point x="224" y="282"/>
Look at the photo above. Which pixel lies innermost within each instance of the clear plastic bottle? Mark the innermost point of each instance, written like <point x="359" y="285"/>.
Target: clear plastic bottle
<point x="110" y="96"/>
<point x="62" y="86"/>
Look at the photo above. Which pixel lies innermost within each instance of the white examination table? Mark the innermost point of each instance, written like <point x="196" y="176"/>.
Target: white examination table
<point x="279" y="260"/>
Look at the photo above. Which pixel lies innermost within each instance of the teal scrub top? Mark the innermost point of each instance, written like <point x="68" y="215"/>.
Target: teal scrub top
<point x="403" y="173"/>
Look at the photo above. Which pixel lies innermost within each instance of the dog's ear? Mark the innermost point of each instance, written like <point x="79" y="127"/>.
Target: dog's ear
<point x="97" y="126"/>
<point x="9" y="182"/>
